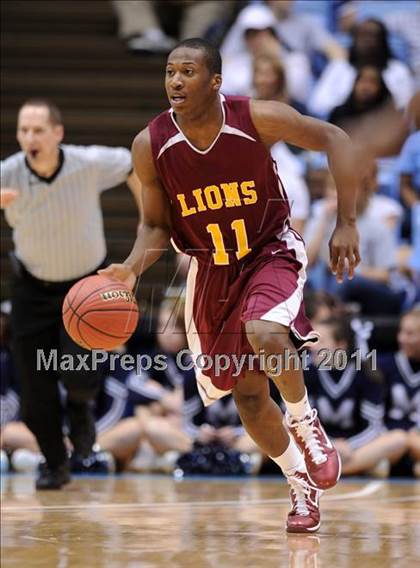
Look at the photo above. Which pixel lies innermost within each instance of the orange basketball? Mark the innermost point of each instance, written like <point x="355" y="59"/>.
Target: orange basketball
<point x="100" y="313"/>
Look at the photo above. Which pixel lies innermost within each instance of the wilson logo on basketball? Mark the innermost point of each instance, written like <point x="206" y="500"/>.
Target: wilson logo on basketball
<point x="117" y="294"/>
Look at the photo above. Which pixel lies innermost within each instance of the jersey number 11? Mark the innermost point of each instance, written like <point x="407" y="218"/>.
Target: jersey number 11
<point x="220" y="256"/>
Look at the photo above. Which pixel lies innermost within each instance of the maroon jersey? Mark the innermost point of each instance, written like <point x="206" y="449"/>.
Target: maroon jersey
<point x="230" y="211"/>
<point x="227" y="201"/>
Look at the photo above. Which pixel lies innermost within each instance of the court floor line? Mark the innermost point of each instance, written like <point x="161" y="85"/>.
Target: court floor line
<point x="368" y="489"/>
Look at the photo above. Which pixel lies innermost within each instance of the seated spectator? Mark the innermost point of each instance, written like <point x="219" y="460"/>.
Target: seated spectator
<point x="370" y="47"/>
<point x="270" y="84"/>
<point x="402" y="377"/>
<point x="141" y="23"/>
<point x="9" y="397"/>
<point x="252" y="34"/>
<point x="369" y="93"/>
<point x="13" y="432"/>
<point x="350" y="403"/>
<point x="321" y="306"/>
<point x="118" y="429"/>
<point x="184" y="420"/>
<point x="374" y="286"/>
<point x="168" y="381"/>
<point x="18" y="444"/>
<point x="409" y="170"/>
<point x="218" y="424"/>
<point x="370" y="102"/>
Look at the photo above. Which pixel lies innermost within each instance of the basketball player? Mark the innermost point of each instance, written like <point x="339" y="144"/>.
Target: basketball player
<point x="210" y="185"/>
<point x="51" y="197"/>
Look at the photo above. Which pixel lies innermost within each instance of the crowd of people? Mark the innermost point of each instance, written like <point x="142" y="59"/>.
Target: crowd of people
<point x="368" y="397"/>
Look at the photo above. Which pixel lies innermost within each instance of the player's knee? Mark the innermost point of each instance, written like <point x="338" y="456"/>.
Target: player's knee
<point x="271" y="338"/>
<point x="250" y="402"/>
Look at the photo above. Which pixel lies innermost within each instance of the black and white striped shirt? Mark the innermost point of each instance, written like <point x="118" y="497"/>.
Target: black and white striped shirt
<point x="57" y="222"/>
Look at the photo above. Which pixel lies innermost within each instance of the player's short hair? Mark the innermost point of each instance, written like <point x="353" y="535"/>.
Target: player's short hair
<point x="212" y="54"/>
<point x="54" y="112"/>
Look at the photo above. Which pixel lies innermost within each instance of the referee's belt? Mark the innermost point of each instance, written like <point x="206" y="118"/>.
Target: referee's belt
<point x="22" y="272"/>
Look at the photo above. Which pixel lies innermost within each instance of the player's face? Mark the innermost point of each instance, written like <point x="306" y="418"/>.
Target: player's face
<point x="37" y="136"/>
<point x="188" y="82"/>
<point x="409" y="336"/>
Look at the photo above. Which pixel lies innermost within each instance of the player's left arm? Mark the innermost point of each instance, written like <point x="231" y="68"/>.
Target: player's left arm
<point x="276" y="121"/>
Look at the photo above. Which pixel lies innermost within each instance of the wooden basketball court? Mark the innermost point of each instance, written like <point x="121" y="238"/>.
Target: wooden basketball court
<point x="155" y="521"/>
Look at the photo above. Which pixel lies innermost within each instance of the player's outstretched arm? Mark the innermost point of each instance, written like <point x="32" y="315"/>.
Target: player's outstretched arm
<point x="154" y="231"/>
<point x="276" y="121"/>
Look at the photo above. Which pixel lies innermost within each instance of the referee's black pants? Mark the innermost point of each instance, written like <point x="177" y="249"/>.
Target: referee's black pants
<point x="37" y="325"/>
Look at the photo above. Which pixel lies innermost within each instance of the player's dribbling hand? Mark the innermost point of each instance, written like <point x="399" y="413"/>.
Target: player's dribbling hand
<point x="344" y="249"/>
<point x="120" y="272"/>
<point x="7" y="196"/>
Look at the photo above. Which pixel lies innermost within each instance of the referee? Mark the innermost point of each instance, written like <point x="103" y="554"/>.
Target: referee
<point x="51" y="196"/>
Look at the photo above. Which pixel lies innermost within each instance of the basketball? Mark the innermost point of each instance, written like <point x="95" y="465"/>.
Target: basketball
<point x="100" y="313"/>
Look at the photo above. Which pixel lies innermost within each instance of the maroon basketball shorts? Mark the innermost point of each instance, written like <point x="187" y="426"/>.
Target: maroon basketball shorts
<point x="221" y="299"/>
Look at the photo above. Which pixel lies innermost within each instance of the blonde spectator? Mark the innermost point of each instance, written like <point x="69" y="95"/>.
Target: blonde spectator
<point x="270" y="84"/>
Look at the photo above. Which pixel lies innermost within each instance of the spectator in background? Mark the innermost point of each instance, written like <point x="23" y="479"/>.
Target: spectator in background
<point x="118" y="429"/>
<point x="350" y="403"/>
<point x="321" y="306"/>
<point x="369" y="93"/>
<point x="370" y="102"/>
<point x="216" y="424"/>
<point x="409" y="170"/>
<point x="253" y="33"/>
<point x="371" y="285"/>
<point x="402" y="375"/>
<point x="270" y="84"/>
<point x="141" y="22"/>
<point x="165" y="434"/>
<point x="51" y="196"/>
<point x="304" y="33"/>
<point x="9" y="397"/>
<point x="370" y="47"/>
<point x="406" y="25"/>
<point x="162" y="420"/>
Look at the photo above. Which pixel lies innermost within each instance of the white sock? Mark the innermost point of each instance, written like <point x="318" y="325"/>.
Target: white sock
<point x="290" y="460"/>
<point x="298" y="409"/>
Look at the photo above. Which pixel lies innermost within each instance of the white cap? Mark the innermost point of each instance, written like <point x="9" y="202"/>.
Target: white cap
<point x="256" y="17"/>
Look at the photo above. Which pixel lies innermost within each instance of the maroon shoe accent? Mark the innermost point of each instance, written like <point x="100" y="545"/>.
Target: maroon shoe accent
<point x="304" y="516"/>
<point x="321" y="458"/>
